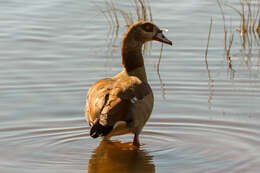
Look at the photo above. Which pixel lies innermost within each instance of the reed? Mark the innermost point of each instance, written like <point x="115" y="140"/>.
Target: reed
<point x="118" y="17"/>
<point x="142" y="12"/>
<point x="206" y="51"/>
<point x="230" y="42"/>
<point x="249" y="22"/>
<point x="159" y="75"/>
<point x="249" y="14"/>
<point x="228" y="37"/>
<point x="248" y="29"/>
<point x="210" y="80"/>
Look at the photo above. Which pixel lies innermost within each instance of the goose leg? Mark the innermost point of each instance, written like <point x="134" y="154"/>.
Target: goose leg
<point x="136" y="140"/>
<point x="105" y="138"/>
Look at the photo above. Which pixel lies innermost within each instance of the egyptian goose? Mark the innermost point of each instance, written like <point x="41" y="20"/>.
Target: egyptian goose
<point x="122" y="104"/>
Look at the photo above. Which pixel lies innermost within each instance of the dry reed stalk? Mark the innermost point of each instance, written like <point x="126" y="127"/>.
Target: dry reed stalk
<point x="228" y="44"/>
<point x="258" y="27"/>
<point x="256" y="14"/>
<point x="141" y="8"/>
<point x="206" y="51"/>
<point x="249" y="14"/>
<point x="158" y="73"/>
<point x="224" y="21"/>
<point x="228" y="56"/>
<point x="112" y="14"/>
<point x="248" y="11"/>
<point x="150" y="13"/>
<point x="210" y="81"/>
<point x="138" y="13"/>
<point x="159" y="61"/>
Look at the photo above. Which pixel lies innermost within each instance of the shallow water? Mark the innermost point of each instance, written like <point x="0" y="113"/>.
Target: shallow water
<point x="52" y="51"/>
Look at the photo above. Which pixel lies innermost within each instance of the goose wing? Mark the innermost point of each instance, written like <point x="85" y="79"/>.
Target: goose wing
<point x="111" y="101"/>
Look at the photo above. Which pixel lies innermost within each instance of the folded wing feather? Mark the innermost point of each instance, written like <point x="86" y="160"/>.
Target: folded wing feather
<point x="110" y="101"/>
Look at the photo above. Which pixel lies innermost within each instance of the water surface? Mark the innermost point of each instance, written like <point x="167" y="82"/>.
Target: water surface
<point x="51" y="53"/>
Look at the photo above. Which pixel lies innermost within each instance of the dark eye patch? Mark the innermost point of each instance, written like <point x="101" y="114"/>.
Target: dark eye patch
<point x="147" y="27"/>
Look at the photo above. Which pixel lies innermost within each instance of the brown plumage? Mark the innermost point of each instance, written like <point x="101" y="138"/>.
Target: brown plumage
<point x="122" y="104"/>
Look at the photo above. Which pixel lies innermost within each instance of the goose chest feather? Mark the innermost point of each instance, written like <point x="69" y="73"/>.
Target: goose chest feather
<point x="122" y="104"/>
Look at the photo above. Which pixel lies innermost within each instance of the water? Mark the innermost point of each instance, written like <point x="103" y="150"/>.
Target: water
<point x="52" y="51"/>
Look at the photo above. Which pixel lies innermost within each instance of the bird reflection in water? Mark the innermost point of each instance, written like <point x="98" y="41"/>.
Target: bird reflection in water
<point x="114" y="156"/>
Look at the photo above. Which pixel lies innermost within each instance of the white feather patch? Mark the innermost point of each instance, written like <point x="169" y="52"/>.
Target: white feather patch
<point x="134" y="100"/>
<point x="119" y="124"/>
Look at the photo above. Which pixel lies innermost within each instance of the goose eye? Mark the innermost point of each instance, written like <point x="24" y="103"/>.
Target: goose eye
<point x="148" y="27"/>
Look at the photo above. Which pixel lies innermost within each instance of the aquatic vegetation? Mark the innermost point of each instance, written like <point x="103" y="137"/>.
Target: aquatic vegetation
<point x="244" y="32"/>
<point x="228" y="37"/>
<point x="141" y="10"/>
<point x="206" y="51"/>
<point x="248" y="30"/>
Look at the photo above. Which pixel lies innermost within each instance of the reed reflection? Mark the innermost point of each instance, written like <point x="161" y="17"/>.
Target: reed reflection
<point x="114" y="156"/>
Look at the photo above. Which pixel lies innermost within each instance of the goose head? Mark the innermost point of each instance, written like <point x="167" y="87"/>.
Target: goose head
<point x="145" y="31"/>
<point x="135" y="37"/>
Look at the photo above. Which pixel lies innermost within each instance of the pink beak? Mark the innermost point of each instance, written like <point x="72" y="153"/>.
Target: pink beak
<point x="161" y="38"/>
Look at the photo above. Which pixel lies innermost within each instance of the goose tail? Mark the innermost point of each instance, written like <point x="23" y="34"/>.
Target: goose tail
<point x="99" y="130"/>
